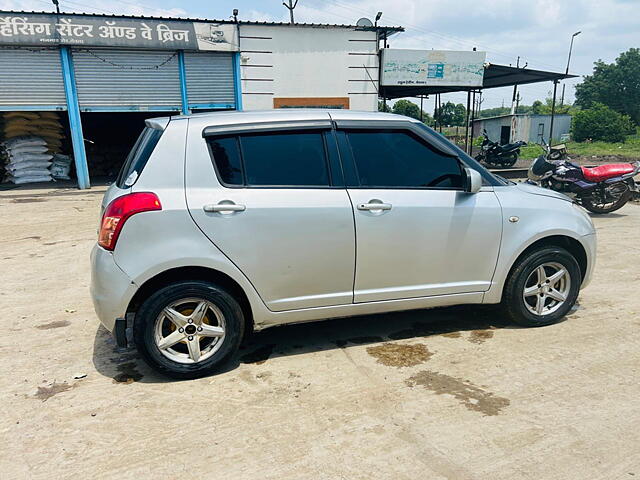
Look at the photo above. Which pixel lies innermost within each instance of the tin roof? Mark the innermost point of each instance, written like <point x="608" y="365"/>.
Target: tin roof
<point x="495" y="76"/>
<point x="389" y="30"/>
<point x="494" y="117"/>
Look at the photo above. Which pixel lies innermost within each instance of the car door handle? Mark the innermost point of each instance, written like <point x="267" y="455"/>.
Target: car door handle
<point x="224" y="207"/>
<point x="374" y="206"/>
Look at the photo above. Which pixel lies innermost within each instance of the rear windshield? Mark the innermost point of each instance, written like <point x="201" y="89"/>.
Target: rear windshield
<point x="138" y="156"/>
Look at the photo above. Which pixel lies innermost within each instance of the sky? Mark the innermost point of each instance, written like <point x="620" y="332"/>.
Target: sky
<point x="537" y="31"/>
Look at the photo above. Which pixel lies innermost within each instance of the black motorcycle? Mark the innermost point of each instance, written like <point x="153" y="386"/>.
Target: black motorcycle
<point x="601" y="189"/>
<point x="496" y="155"/>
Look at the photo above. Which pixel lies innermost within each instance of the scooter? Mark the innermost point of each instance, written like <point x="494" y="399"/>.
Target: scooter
<point x="602" y="189"/>
<point x="499" y="155"/>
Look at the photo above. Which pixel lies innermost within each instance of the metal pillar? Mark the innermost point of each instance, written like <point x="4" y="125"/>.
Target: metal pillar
<point x="473" y="117"/>
<point x="75" y="123"/>
<point x="553" y="111"/>
<point x="183" y="83"/>
<point x="237" y="79"/>
<point x="466" y="130"/>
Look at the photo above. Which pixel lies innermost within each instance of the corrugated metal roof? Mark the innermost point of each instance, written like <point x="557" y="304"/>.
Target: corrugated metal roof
<point x="388" y="29"/>
<point x="521" y="115"/>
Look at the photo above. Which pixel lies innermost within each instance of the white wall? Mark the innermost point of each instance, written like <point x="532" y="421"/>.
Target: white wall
<point x="289" y="61"/>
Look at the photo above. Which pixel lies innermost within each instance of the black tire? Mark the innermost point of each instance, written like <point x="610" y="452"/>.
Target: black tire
<point x="145" y="321"/>
<point x="513" y="302"/>
<point x="587" y="202"/>
<point x="511" y="161"/>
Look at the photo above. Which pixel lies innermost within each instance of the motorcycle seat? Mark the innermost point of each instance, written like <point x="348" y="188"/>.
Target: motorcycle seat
<point x="509" y="146"/>
<point x="599" y="174"/>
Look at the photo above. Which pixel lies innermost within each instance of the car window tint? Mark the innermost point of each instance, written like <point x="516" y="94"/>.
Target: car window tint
<point x="285" y="159"/>
<point x="226" y="154"/>
<point x="138" y="157"/>
<point x="392" y="158"/>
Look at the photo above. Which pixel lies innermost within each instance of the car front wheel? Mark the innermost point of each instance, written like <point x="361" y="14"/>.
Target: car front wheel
<point x="542" y="287"/>
<point x="188" y="329"/>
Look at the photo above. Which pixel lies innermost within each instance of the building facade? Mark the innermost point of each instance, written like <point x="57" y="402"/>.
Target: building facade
<point x="100" y="70"/>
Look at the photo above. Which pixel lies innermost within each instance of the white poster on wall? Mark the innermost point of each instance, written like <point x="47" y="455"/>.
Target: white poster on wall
<point x="432" y="68"/>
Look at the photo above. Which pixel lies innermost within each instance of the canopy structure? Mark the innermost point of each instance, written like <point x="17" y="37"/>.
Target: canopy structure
<point x="494" y="76"/>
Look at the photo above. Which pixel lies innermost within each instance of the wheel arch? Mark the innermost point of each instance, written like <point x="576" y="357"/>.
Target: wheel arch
<point x="186" y="273"/>
<point x="573" y="246"/>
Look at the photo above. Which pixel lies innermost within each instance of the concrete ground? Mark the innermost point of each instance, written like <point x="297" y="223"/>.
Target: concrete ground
<point x="450" y="393"/>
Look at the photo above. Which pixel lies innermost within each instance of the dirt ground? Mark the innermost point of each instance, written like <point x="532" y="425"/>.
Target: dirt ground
<point x="450" y="393"/>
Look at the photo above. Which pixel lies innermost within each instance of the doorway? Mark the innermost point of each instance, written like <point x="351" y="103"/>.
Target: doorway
<point x="505" y="134"/>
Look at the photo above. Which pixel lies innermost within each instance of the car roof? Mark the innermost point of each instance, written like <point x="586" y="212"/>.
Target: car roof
<point x="287" y="114"/>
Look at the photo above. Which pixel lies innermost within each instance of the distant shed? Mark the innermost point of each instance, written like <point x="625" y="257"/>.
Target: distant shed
<point x="526" y="127"/>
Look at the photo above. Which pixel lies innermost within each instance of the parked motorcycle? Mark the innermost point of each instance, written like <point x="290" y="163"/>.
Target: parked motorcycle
<point x="498" y="155"/>
<point x="602" y="189"/>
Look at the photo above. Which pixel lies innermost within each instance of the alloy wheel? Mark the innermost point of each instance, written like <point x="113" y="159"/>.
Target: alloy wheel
<point x="189" y="330"/>
<point x="546" y="288"/>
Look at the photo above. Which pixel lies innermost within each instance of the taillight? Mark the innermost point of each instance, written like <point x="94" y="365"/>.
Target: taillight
<point x="119" y="210"/>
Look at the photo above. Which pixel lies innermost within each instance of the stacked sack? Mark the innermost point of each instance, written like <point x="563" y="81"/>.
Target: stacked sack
<point x="60" y="167"/>
<point x="27" y="160"/>
<point x="41" y="124"/>
<point x="31" y="140"/>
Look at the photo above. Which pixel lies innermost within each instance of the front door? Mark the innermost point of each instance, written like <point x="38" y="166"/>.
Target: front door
<point x="274" y="209"/>
<point x="417" y="232"/>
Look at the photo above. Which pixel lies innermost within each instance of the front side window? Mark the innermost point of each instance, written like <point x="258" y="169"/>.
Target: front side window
<point x="287" y="159"/>
<point x="398" y="159"/>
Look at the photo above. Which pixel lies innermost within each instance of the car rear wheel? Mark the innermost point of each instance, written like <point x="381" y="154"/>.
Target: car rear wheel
<point x="542" y="287"/>
<point x="188" y="329"/>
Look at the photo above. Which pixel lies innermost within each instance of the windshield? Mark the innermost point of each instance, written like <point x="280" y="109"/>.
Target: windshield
<point x="488" y="177"/>
<point x="138" y="156"/>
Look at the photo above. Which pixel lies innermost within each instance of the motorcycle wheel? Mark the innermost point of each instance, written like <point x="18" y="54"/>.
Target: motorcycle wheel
<point x="602" y="206"/>
<point x="510" y="161"/>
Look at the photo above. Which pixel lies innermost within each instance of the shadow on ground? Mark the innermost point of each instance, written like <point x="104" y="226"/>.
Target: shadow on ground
<point x="127" y="367"/>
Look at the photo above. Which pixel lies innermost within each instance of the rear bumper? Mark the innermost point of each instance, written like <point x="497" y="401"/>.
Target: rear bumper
<point x="111" y="290"/>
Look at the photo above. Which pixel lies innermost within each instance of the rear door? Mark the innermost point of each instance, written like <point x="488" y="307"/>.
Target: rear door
<point x="418" y="233"/>
<point x="274" y="202"/>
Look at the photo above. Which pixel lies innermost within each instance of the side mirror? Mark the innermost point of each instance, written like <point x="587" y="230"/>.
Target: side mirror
<point x="473" y="180"/>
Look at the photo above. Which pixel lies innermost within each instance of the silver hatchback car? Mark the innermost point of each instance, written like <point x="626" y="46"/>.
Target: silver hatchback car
<point x="223" y="223"/>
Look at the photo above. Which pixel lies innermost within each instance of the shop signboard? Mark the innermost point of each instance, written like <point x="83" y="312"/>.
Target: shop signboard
<point x="95" y="31"/>
<point x="432" y="68"/>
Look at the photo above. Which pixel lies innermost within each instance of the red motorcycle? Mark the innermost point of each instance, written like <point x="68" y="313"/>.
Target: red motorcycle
<point x="601" y="189"/>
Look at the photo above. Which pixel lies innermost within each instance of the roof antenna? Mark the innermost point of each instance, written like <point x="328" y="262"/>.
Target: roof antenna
<point x="57" y="4"/>
<point x="290" y="7"/>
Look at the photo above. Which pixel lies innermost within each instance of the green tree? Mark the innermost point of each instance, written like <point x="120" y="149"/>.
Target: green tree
<point x="451" y="114"/>
<point x="494" y="112"/>
<point x="410" y="109"/>
<point x="383" y="107"/>
<point x="616" y="85"/>
<point x="537" y="108"/>
<point x="601" y="123"/>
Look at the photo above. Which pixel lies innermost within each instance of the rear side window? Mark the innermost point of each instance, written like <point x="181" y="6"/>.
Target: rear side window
<point x="282" y="159"/>
<point x="398" y="159"/>
<point x="226" y="153"/>
<point x="138" y="157"/>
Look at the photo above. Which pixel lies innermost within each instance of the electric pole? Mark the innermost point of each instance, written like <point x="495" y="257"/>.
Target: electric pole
<point x="568" y="60"/>
<point x="291" y="6"/>
<point x="515" y="91"/>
